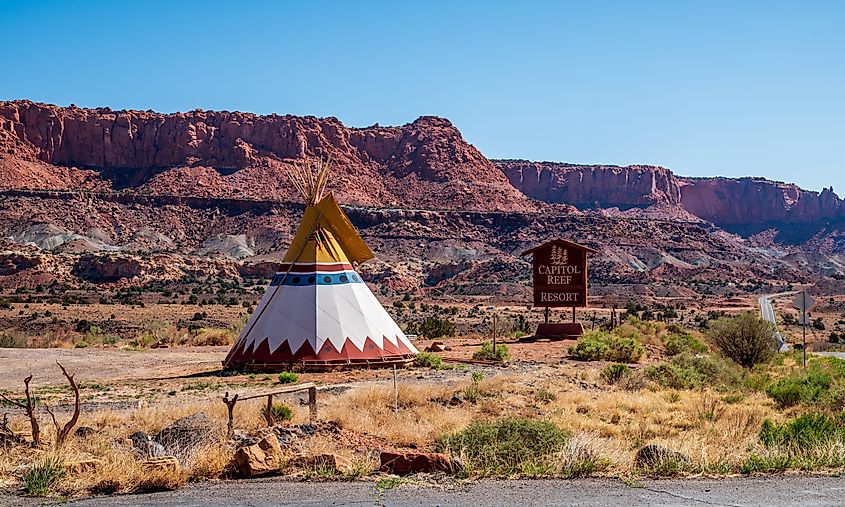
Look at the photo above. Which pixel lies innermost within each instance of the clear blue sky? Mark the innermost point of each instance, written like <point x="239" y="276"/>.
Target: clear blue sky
<point x="706" y="88"/>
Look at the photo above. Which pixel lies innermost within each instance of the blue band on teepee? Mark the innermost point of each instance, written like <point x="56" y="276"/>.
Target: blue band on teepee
<point x="306" y="279"/>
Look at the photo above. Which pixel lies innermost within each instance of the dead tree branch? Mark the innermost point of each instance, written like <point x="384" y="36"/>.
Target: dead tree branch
<point x="62" y="433"/>
<point x="30" y="411"/>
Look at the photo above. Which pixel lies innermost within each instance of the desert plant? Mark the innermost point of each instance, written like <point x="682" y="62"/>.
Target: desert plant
<point x="487" y="353"/>
<point x="287" y="377"/>
<point x="677" y="343"/>
<point x="429" y="360"/>
<point x="42" y="476"/>
<point x="803" y="431"/>
<point x="746" y="338"/>
<point x="600" y="345"/>
<point x="12" y="340"/>
<point x="520" y="327"/>
<point x="613" y="373"/>
<point x="505" y="447"/>
<point x="435" y="327"/>
<point x="805" y="386"/>
<point x="277" y="412"/>
<point x="473" y="392"/>
<point x="673" y="376"/>
<point x="86" y="326"/>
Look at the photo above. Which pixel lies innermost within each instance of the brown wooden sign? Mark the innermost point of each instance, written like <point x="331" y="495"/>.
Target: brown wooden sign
<point x="560" y="273"/>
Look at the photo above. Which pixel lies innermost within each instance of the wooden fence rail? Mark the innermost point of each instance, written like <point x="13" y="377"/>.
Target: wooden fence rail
<point x="268" y="415"/>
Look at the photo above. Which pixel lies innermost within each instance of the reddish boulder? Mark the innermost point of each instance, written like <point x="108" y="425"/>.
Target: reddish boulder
<point x="417" y="462"/>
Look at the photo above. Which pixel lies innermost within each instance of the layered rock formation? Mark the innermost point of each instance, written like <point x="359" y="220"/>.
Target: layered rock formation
<point x="219" y="153"/>
<point x="744" y="205"/>
<point x="756" y="202"/>
<point x="593" y="186"/>
<point x="424" y="164"/>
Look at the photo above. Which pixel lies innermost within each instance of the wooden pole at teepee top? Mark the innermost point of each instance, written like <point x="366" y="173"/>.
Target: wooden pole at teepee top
<point x="310" y="180"/>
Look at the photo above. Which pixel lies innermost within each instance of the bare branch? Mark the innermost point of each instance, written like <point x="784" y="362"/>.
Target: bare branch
<point x="30" y="411"/>
<point x="62" y="434"/>
<point x="12" y="402"/>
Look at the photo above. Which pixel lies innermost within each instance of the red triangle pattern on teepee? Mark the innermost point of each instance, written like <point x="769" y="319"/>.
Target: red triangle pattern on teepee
<point x="306" y="353"/>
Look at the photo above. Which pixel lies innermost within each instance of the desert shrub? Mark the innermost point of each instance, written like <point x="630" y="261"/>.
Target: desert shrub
<point x="42" y="476"/>
<point x="689" y="371"/>
<point x="521" y="326"/>
<point x="613" y="373"/>
<point x="803" y="431"/>
<point x="473" y="392"/>
<point x="505" y="447"/>
<point x="11" y="340"/>
<point x="804" y="386"/>
<point x="486" y="353"/>
<point x="544" y="396"/>
<point x="202" y="337"/>
<point x="600" y="345"/>
<point x="677" y="343"/>
<point x="673" y="376"/>
<point x="434" y="327"/>
<point x="429" y="360"/>
<point x="287" y="377"/>
<point x="746" y="338"/>
<point x="715" y="370"/>
<point x="86" y="326"/>
<point x="278" y="412"/>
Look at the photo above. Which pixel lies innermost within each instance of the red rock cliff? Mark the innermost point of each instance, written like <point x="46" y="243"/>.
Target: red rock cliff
<point x="747" y="201"/>
<point x="593" y="185"/>
<point x="220" y="153"/>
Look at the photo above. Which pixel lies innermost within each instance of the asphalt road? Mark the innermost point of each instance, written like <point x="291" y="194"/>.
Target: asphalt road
<point x="775" y="491"/>
<point x="767" y="311"/>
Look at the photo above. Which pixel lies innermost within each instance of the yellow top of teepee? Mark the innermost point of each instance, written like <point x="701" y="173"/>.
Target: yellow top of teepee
<point x="325" y="233"/>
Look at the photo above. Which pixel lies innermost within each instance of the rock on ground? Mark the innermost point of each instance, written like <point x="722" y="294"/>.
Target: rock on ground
<point x="259" y="459"/>
<point x="417" y="462"/>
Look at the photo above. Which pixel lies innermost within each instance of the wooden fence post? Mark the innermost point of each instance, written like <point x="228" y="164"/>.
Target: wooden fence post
<point x="230" y="406"/>
<point x="312" y="403"/>
<point x="268" y="414"/>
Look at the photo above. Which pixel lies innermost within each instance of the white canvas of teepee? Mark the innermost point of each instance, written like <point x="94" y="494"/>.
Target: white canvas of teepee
<point x="317" y="310"/>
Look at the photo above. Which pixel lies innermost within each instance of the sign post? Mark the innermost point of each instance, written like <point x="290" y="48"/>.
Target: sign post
<point x="559" y="279"/>
<point x="803" y="302"/>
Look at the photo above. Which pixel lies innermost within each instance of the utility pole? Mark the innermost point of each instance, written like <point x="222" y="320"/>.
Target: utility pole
<point x="805" y="317"/>
<point x="495" y="320"/>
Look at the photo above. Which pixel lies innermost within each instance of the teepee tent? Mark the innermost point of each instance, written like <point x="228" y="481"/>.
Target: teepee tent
<point x="317" y="312"/>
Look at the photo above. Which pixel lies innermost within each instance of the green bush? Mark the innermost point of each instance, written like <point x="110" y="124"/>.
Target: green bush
<point x="600" y="345"/>
<point x="746" y="338"/>
<point x="278" y="412"/>
<point x="689" y="371"/>
<point x="42" y="476"/>
<point x="613" y="373"/>
<point x="288" y="377"/>
<point x="434" y="328"/>
<point x="803" y="431"/>
<point x="473" y="392"/>
<point x="804" y="386"/>
<point x="86" y="326"/>
<point x="673" y="376"/>
<point x="12" y="340"/>
<point x="486" y="353"/>
<point x="521" y="326"/>
<point x="506" y="447"/>
<point x="678" y="343"/>
<point x="429" y="360"/>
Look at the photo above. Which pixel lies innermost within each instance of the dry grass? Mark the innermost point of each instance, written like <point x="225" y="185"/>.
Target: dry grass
<point x="423" y="416"/>
<point x="717" y="432"/>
